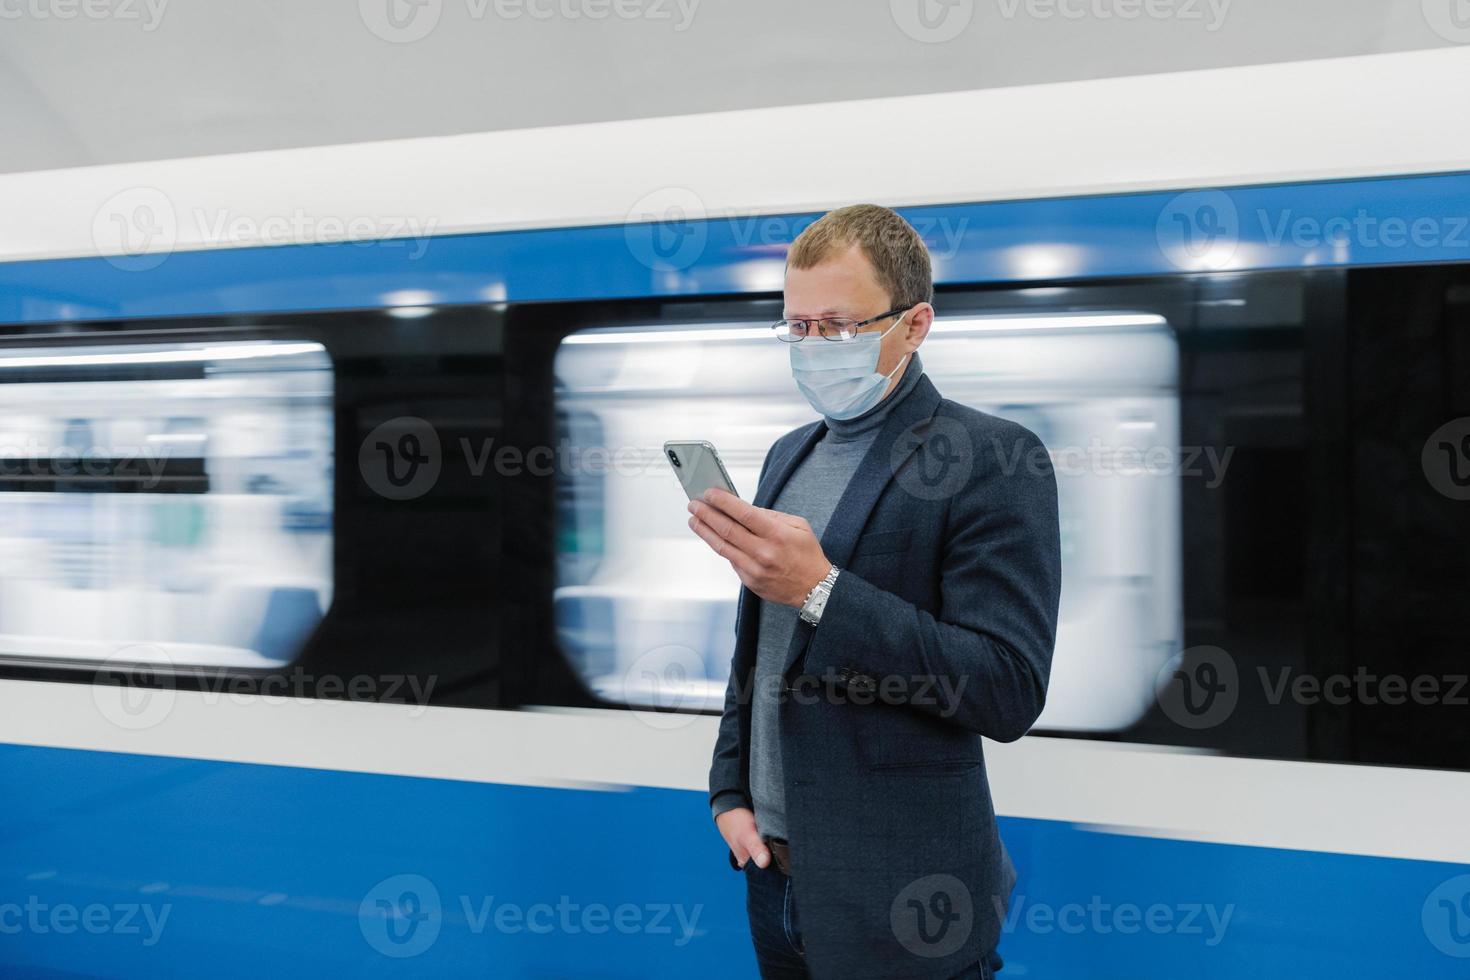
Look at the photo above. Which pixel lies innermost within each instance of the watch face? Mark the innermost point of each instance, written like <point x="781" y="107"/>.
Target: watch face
<point x="811" y="610"/>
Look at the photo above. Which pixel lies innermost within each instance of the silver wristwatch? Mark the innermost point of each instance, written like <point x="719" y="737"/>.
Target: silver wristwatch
<point x="816" y="599"/>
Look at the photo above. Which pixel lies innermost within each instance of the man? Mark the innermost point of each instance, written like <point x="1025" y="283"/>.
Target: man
<point x="900" y="569"/>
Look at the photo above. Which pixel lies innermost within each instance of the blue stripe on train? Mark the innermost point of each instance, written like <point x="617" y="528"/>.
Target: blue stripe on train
<point x="236" y="870"/>
<point x="1409" y="220"/>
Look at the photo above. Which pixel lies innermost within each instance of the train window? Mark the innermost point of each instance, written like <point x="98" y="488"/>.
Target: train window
<point x="165" y="503"/>
<point x="1101" y="392"/>
<point x="654" y="623"/>
<point x="651" y="623"/>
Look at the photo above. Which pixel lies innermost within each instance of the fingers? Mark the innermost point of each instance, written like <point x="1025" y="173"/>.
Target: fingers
<point x="743" y="563"/>
<point x="800" y="523"/>
<point x="725" y="526"/>
<point x="757" y="520"/>
<point x="751" y="842"/>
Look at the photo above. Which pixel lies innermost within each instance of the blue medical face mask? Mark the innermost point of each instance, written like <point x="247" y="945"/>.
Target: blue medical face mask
<point x="840" y="378"/>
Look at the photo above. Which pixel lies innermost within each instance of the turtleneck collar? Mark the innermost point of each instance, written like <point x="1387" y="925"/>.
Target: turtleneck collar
<point x="846" y="430"/>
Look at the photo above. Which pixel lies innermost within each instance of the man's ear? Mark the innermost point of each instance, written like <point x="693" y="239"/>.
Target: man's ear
<point x="918" y="322"/>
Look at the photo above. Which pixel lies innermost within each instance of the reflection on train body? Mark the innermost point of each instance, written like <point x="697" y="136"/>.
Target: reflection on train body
<point x="646" y="612"/>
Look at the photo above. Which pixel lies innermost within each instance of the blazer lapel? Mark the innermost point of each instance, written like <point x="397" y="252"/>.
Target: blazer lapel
<point x="878" y="467"/>
<point x="873" y="474"/>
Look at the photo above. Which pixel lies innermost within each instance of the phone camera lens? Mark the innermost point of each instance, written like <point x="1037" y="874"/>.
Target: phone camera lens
<point x="674" y="458"/>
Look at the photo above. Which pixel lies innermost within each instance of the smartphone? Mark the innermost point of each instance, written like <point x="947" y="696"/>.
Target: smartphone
<point x="698" y="467"/>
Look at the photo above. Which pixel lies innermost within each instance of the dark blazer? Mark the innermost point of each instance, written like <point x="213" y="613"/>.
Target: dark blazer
<point x="947" y="538"/>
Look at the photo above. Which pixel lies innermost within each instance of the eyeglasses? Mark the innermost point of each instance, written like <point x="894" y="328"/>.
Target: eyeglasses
<point x="834" y="328"/>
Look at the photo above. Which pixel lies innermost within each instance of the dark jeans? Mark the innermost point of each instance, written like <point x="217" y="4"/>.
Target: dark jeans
<point x="771" y="904"/>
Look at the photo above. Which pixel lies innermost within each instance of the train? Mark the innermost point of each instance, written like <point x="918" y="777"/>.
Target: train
<point x="348" y="622"/>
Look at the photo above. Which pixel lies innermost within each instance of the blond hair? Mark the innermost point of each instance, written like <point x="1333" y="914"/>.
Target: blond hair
<point x="897" y="253"/>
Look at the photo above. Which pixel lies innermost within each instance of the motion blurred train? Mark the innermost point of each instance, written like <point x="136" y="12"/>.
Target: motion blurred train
<point x="349" y="622"/>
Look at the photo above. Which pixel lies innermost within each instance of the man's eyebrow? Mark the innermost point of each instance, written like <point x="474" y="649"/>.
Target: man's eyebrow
<point x="815" y="316"/>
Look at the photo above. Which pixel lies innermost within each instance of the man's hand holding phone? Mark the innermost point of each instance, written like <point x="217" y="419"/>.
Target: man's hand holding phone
<point x="776" y="555"/>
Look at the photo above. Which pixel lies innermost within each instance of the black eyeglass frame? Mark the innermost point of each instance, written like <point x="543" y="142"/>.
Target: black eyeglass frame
<point x="845" y="333"/>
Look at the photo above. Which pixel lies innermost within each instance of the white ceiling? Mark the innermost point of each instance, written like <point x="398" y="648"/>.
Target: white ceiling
<point x="152" y="79"/>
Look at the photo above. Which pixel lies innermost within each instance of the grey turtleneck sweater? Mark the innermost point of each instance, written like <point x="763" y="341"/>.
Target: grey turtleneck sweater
<point x="812" y="492"/>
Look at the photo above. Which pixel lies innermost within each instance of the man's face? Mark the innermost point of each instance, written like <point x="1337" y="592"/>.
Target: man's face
<point x="846" y="285"/>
